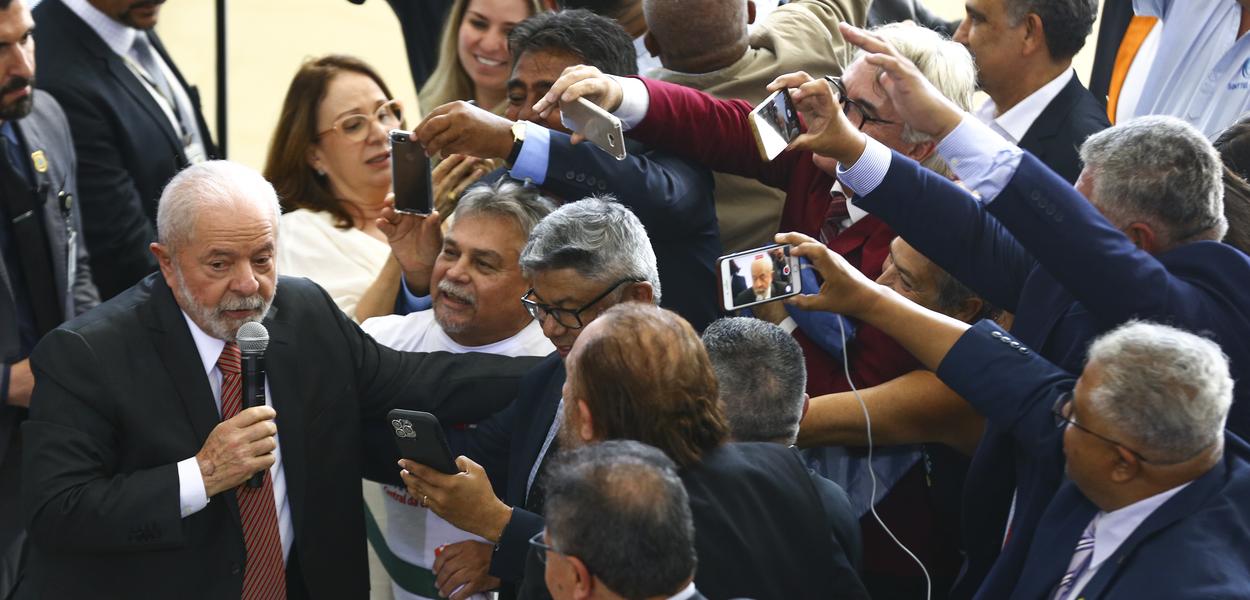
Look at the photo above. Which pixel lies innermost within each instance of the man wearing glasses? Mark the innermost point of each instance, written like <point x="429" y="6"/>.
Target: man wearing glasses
<point x="581" y="260"/>
<point x="1154" y="484"/>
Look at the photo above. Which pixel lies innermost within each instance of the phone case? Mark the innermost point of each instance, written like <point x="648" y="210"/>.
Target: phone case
<point x="599" y="126"/>
<point x="420" y="439"/>
<point x="411" y="175"/>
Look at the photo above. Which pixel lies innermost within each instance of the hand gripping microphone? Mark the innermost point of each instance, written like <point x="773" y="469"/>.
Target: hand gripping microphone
<point x="253" y="338"/>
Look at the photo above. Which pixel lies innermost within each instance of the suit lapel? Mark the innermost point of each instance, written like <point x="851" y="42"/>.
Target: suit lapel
<point x="182" y="362"/>
<point x="1050" y="122"/>
<point x="545" y="413"/>
<point x="50" y="177"/>
<point x="1054" y="543"/>
<point x="284" y="392"/>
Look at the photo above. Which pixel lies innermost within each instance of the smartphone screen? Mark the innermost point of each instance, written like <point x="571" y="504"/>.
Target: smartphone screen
<point x="758" y="276"/>
<point x="775" y="123"/>
<point x="410" y="175"/>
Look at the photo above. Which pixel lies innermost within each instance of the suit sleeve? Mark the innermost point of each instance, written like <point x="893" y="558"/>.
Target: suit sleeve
<point x="85" y="294"/>
<point x="950" y="227"/>
<point x="1110" y="276"/>
<point x="713" y="132"/>
<point x="116" y="225"/>
<point x="73" y="495"/>
<point x="508" y="562"/>
<point x="668" y="194"/>
<point x="1012" y="386"/>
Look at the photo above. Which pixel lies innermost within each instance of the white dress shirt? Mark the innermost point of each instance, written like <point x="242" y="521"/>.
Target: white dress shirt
<point x="1116" y="526"/>
<point x="191" y="492"/>
<point x="1017" y="120"/>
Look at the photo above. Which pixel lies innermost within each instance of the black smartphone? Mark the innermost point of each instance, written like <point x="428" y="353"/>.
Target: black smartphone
<point x="757" y="276"/>
<point x="420" y="439"/>
<point x="775" y="123"/>
<point x="411" y="175"/>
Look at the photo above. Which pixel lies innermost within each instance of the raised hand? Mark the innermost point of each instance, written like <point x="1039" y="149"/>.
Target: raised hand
<point x="919" y="104"/>
<point x="454" y="174"/>
<point x="415" y="242"/>
<point x="844" y="290"/>
<point x="463" y="128"/>
<point x="829" y="133"/>
<point x="581" y="81"/>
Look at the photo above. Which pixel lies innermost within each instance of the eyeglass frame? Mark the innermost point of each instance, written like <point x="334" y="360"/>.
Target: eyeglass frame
<point x="536" y="541"/>
<point x="533" y="307"/>
<point x="845" y="102"/>
<point x="1062" y="420"/>
<point x="370" y="118"/>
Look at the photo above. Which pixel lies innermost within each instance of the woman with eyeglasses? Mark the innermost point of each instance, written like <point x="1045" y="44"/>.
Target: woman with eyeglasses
<point x="330" y="162"/>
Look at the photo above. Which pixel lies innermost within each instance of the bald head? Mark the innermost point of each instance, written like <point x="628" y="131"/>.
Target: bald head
<point x="698" y="36"/>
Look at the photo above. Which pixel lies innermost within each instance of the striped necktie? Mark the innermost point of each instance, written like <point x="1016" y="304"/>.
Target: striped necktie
<point x="264" y="577"/>
<point x="1081" y="558"/>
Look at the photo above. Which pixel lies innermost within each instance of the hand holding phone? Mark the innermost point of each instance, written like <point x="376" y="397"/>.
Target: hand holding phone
<point x="411" y="175"/>
<point x="420" y="439"/>
<point x="757" y="276"/>
<point x="775" y="123"/>
<point x="599" y="126"/>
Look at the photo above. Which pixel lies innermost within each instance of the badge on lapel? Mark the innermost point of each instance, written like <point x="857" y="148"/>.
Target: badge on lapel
<point x="39" y="160"/>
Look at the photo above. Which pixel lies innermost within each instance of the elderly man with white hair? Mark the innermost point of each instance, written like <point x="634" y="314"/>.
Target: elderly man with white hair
<point x="139" y="441"/>
<point x="1156" y="498"/>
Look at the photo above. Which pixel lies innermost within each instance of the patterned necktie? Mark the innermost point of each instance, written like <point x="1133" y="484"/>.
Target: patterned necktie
<point x="834" y="216"/>
<point x="1081" y="558"/>
<point x="264" y="577"/>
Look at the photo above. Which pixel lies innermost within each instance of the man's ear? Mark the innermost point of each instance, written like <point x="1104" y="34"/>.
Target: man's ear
<point x="969" y="309"/>
<point x="583" y="582"/>
<point x="585" y="421"/>
<point x="920" y="151"/>
<point x="1143" y="236"/>
<point x="1034" y="35"/>
<point x="640" y="291"/>
<point x="165" y="259"/>
<point x="1127" y="467"/>
<point x="651" y="44"/>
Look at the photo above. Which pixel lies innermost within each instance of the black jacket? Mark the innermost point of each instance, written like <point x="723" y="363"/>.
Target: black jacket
<point x="1056" y="136"/>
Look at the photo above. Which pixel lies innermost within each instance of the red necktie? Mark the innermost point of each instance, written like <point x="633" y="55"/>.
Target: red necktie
<point x="264" y="576"/>
<point x="834" y="216"/>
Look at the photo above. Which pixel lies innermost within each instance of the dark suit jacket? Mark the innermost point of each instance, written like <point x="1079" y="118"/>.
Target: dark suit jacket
<point x="671" y="195"/>
<point x="122" y="397"/>
<point x="1056" y="136"/>
<point x="127" y="149"/>
<point x="1041" y="251"/>
<point x="43" y="130"/>
<point x="1199" y="535"/>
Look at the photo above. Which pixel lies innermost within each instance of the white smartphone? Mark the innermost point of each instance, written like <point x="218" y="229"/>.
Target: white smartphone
<point x="599" y="126"/>
<point x="757" y="276"/>
<point x="775" y="123"/>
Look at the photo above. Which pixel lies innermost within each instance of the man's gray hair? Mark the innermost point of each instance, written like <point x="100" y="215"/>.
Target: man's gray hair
<point x="597" y="237"/>
<point x="211" y="183"/>
<point x="1162" y="171"/>
<point x="506" y="199"/>
<point x="946" y="64"/>
<point x="620" y="507"/>
<point x="1166" y="389"/>
<point x="760" y="372"/>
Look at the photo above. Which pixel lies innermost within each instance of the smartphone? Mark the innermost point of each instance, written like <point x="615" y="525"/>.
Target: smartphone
<point x="775" y="123"/>
<point x="599" y="126"/>
<point x="757" y="276"/>
<point x="411" y="175"/>
<point x="420" y="439"/>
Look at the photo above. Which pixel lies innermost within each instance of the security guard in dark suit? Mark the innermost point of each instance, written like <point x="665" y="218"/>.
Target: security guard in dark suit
<point x="44" y="277"/>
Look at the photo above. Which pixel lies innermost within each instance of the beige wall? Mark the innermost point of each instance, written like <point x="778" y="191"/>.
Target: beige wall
<point x="269" y="38"/>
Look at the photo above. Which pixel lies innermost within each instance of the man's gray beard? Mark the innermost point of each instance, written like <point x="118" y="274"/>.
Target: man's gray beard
<point x="210" y="318"/>
<point x="445" y="287"/>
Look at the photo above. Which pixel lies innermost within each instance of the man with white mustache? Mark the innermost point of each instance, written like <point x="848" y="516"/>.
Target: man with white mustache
<point x="475" y="285"/>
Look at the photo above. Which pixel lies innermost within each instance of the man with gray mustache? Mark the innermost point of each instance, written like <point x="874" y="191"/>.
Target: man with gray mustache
<point x="475" y="285"/>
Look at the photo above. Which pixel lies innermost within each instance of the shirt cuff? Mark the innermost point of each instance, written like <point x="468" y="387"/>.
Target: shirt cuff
<point x="531" y="163"/>
<point x="407" y="302"/>
<point x="191" y="493"/>
<point x="788" y="325"/>
<point x="635" y="102"/>
<point x="982" y="159"/>
<point x="868" y="172"/>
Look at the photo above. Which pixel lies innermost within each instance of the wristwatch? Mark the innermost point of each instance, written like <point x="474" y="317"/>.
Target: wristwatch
<point x="518" y="140"/>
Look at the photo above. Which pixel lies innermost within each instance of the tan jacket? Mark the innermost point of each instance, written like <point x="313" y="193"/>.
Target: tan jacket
<point x="799" y="36"/>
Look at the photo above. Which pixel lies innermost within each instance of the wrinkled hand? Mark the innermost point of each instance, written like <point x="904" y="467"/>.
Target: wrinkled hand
<point x="580" y="81"/>
<point x="462" y="569"/>
<point x="463" y="128"/>
<point x="844" y="290"/>
<point x="915" y="99"/>
<point x="21" y="384"/>
<point x="415" y="242"/>
<point x="238" y="448"/>
<point x="465" y="499"/>
<point x="829" y="133"/>
<point x="454" y="174"/>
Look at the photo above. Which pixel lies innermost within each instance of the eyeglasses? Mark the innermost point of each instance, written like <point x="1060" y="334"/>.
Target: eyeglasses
<point x="1064" y="416"/>
<point x="543" y="549"/>
<point x="851" y="108"/>
<point x="355" y="127"/>
<point x="569" y="319"/>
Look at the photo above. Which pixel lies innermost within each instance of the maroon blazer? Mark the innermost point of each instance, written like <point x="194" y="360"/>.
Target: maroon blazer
<point x="716" y="133"/>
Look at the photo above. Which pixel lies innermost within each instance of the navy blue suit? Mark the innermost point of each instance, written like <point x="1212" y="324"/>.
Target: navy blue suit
<point x="1194" y="537"/>
<point x="672" y="197"/>
<point x="1042" y="252"/>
